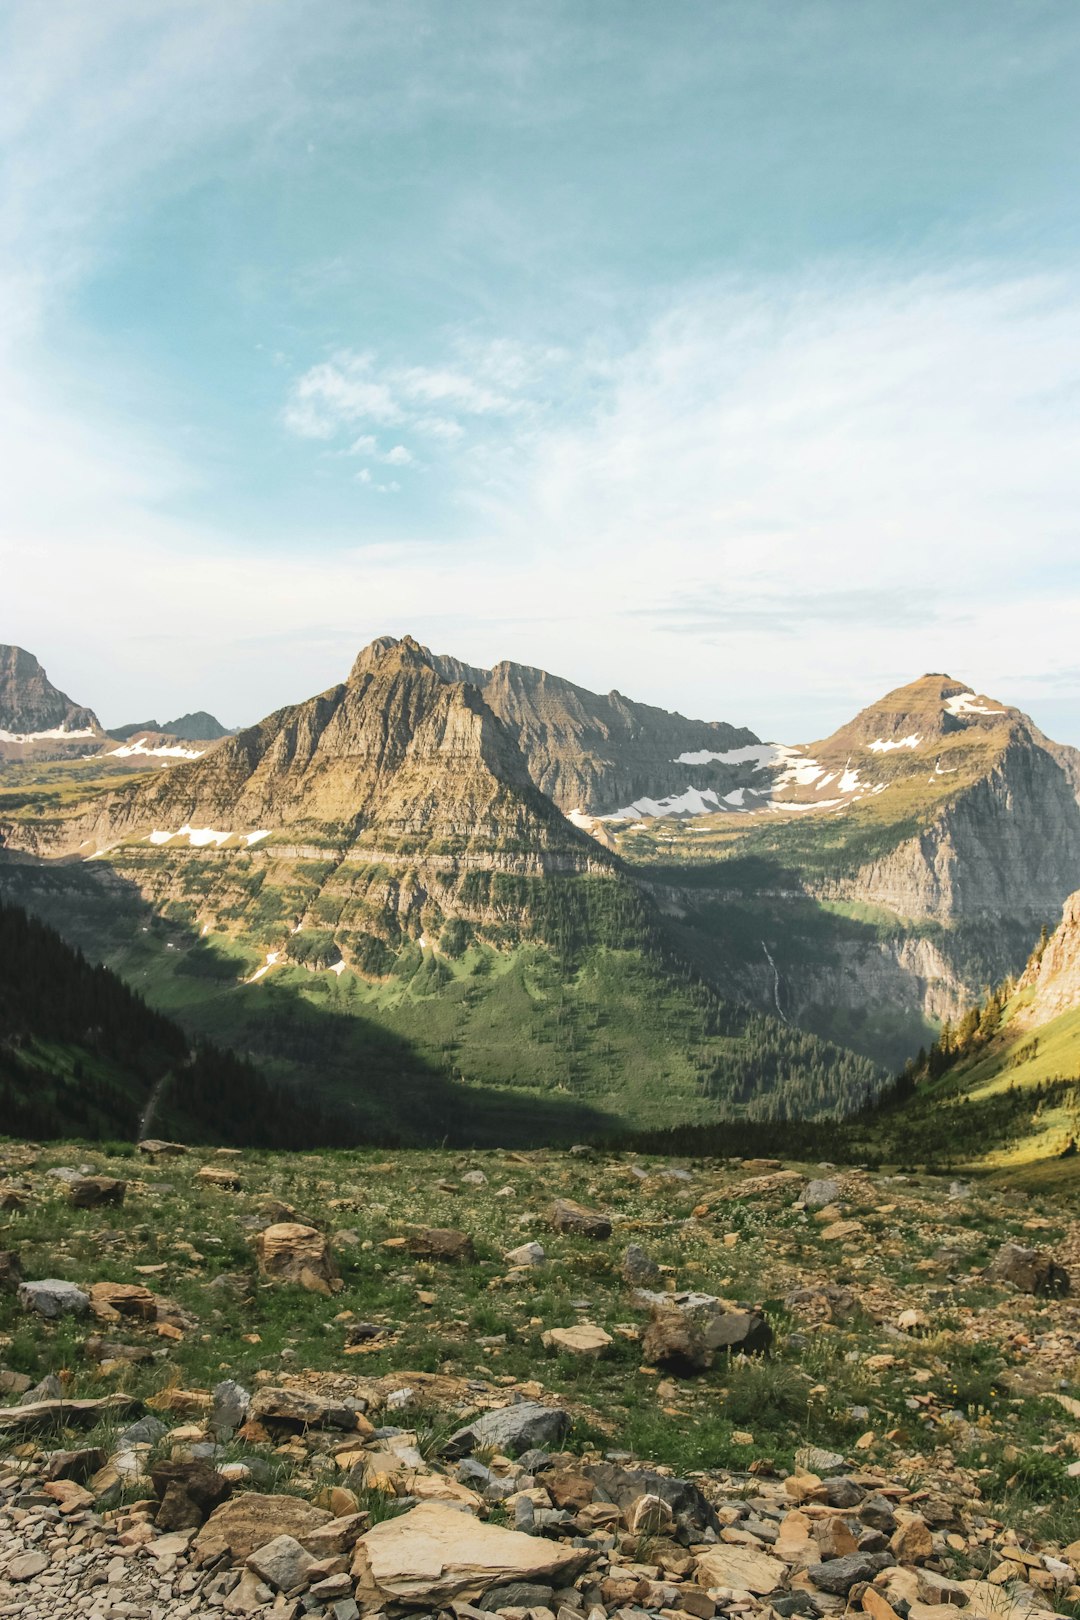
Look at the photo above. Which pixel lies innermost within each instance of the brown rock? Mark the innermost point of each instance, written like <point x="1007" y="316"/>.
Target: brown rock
<point x="250" y="1520"/>
<point x="743" y="1568"/>
<point x="567" y="1216"/>
<point x="291" y="1253"/>
<point x="188" y="1493"/>
<point x="110" y="1301"/>
<point x="1029" y="1270"/>
<point x="913" y="1543"/>
<point x="295" y="1409"/>
<point x="436" y="1553"/>
<point x="441" y="1243"/>
<point x="211" y="1176"/>
<point x="154" y="1148"/>
<point x="90" y="1192"/>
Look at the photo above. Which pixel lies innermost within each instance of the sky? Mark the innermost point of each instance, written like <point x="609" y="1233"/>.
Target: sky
<point x="724" y="353"/>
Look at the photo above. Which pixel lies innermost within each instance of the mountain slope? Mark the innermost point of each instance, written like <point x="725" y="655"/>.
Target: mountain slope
<point x="898" y="866"/>
<point x="35" y="716"/>
<point x="81" y="1055"/>
<point x="368" y="887"/>
<point x="594" y="754"/>
<point x="1000" y="1088"/>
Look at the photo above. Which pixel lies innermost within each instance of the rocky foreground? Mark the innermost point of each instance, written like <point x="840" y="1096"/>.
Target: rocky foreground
<point x="547" y="1409"/>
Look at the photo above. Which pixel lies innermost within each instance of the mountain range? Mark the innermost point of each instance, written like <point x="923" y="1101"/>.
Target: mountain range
<point x="551" y="896"/>
<point x="39" y="723"/>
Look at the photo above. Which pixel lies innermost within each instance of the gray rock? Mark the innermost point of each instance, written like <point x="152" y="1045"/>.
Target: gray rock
<point x="282" y="1564"/>
<point x="818" y="1461"/>
<point x="512" y="1429"/>
<point x="877" y="1512"/>
<point x="639" y="1269"/>
<point x="517" y="1595"/>
<point x="230" y="1409"/>
<point x="839" y="1575"/>
<point x="146" y="1432"/>
<point x="49" y="1389"/>
<point x="695" y="1520"/>
<point x="816" y="1194"/>
<point x="52" y="1298"/>
<point x="527" y="1254"/>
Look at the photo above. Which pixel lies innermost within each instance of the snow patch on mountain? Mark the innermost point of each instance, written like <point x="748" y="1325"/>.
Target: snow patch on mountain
<point x="138" y="746"/>
<point x="885" y="746"/>
<point x="964" y="703"/>
<point x="202" y="837"/>
<point x="54" y="734"/>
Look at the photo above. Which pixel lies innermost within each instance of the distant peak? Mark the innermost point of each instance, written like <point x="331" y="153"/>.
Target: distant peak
<point x="389" y="652"/>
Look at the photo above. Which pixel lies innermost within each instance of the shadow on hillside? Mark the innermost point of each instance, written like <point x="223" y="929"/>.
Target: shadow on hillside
<point x="378" y="1088"/>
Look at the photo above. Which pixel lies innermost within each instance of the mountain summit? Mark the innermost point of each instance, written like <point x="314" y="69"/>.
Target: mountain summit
<point x="598" y="754"/>
<point x="35" y="712"/>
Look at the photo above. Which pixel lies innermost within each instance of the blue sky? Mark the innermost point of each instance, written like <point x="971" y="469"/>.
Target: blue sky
<point x="724" y="353"/>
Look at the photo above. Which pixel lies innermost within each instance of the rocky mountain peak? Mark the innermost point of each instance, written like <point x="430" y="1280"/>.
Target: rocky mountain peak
<point x="30" y="705"/>
<point x="919" y="715"/>
<point x="386" y="653"/>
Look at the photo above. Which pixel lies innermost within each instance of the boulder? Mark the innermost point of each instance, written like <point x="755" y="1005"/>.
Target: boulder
<point x="292" y="1253"/>
<point x="248" y="1521"/>
<point x="441" y="1243"/>
<point x="688" y="1331"/>
<point x="693" y="1516"/>
<point x="295" y="1409"/>
<point x="435" y="1554"/>
<point x="212" y="1176"/>
<point x="566" y="1216"/>
<point x="638" y="1269"/>
<point x="584" y="1339"/>
<point x="527" y="1254"/>
<point x="1029" y="1270"/>
<point x="187" y="1493"/>
<point x="512" y="1429"/>
<point x="154" y="1148"/>
<point x="52" y="1298"/>
<point x="90" y="1192"/>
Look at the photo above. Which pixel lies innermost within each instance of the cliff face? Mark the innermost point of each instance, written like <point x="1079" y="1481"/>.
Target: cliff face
<point x="35" y="716"/>
<point x="1053" y="974"/>
<point x="598" y="753"/>
<point x="1007" y="845"/>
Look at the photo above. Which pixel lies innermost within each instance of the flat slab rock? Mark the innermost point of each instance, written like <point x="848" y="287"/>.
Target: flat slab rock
<point x="742" y="1568"/>
<point x="435" y="1553"/>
